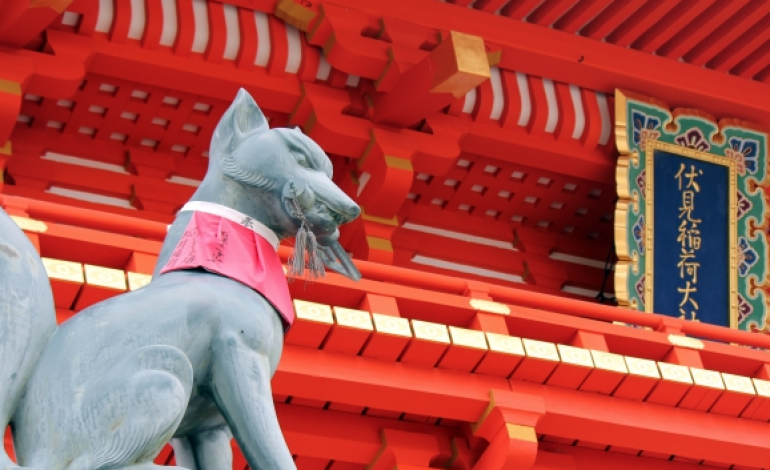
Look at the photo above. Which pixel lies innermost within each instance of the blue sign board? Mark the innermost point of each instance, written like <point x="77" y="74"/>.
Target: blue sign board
<point x="690" y="267"/>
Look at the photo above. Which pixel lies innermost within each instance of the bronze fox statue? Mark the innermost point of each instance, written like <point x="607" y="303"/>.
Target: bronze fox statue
<point x="187" y="358"/>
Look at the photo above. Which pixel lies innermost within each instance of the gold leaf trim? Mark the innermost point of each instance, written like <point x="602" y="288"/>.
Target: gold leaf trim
<point x="675" y="373"/>
<point x="105" y="277"/>
<point x="737" y="383"/>
<point x="505" y="344"/>
<point x="350" y="318"/>
<point x="707" y="378"/>
<point x="540" y="350"/>
<point x="314" y="312"/>
<point x="389" y="325"/>
<point x="522" y="433"/>
<point x="575" y="356"/>
<point x="63" y="270"/>
<point x="137" y="280"/>
<point x="490" y="306"/>
<point x="29" y="225"/>
<point x="472" y="339"/>
<point x="642" y="367"/>
<point x="685" y="341"/>
<point x="435" y="332"/>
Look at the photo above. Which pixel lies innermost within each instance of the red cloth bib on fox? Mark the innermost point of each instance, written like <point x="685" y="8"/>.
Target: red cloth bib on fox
<point x="229" y="243"/>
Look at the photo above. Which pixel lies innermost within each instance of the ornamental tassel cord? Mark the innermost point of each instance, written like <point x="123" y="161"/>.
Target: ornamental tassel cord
<point x="305" y="255"/>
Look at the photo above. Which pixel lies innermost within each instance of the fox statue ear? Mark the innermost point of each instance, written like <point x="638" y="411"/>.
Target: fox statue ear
<point x="242" y="120"/>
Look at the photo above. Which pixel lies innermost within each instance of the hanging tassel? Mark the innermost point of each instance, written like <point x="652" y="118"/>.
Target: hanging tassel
<point x="305" y="255"/>
<point x="297" y="258"/>
<point x="314" y="263"/>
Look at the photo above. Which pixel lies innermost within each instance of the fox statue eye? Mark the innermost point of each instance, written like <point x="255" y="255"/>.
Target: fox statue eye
<point x="301" y="159"/>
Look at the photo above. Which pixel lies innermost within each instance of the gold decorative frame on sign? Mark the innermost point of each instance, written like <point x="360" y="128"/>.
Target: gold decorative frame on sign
<point x="650" y="147"/>
<point x="627" y="200"/>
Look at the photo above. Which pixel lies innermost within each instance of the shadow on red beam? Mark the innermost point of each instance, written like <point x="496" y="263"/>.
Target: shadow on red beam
<point x="569" y="414"/>
<point x="92" y="246"/>
<point x="650" y="427"/>
<point x="337" y="435"/>
<point x="539" y="152"/>
<point x="552" y="456"/>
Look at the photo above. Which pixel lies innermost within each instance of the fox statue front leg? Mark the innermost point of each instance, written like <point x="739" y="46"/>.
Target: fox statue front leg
<point x="242" y="368"/>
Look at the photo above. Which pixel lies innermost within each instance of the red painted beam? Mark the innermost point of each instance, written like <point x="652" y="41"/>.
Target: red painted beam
<point x="337" y="435"/>
<point x="359" y="381"/>
<point x="92" y="246"/>
<point x="571" y="414"/>
<point x="545" y="52"/>
<point x="546" y="273"/>
<point x="537" y="152"/>
<point x="43" y="74"/>
<point x="162" y="69"/>
<point x="649" y="427"/>
<point x="553" y="456"/>
<point x="12" y="10"/>
<point x="36" y="17"/>
<point x="88" y="218"/>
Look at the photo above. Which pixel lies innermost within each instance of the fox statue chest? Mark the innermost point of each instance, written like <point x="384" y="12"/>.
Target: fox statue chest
<point x="226" y="242"/>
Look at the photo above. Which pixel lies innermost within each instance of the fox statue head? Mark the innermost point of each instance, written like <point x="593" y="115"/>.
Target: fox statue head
<point x="281" y="178"/>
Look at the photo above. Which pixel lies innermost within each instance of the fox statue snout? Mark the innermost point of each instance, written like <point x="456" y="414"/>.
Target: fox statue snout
<point x="322" y="204"/>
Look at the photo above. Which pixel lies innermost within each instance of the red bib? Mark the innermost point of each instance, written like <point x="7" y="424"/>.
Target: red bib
<point x="222" y="246"/>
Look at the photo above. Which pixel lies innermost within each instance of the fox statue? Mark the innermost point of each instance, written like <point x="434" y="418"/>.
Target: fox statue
<point x="187" y="358"/>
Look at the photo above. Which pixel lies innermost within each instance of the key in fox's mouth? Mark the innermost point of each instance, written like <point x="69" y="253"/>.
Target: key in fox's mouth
<point x="320" y="218"/>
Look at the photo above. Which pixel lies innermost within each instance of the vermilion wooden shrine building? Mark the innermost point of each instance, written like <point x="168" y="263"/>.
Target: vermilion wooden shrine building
<point x="478" y="137"/>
